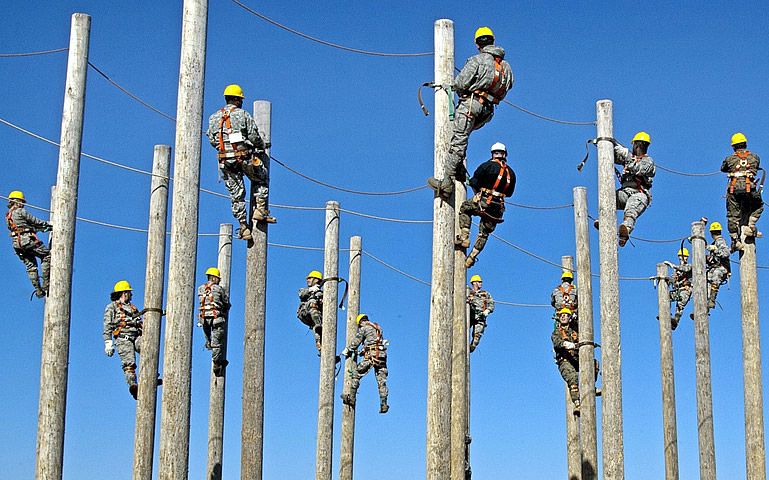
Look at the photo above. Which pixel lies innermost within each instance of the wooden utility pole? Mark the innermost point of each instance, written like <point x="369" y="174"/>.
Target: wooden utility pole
<point x="348" y="411"/>
<point x="218" y="384"/>
<point x="442" y="289"/>
<point x="613" y="450"/>
<point x="177" y="364"/>
<point x="146" y="405"/>
<point x="702" y="355"/>
<point x="252" y="432"/>
<point x="55" y="351"/>
<point x="573" y="449"/>
<point x="670" y="435"/>
<point x="325" y="439"/>
<point x="755" y="449"/>
<point x="587" y="435"/>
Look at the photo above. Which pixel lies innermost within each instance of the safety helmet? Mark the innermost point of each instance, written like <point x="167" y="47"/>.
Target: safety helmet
<point x="499" y="147"/>
<point x="214" y="271"/>
<point x="567" y="275"/>
<point x="739" y="138"/>
<point x="565" y="310"/>
<point x="17" y="195"/>
<point x="642" y="137"/>
<point x="360" y="317"/>
<point x="715" y="227"/>
<point x="122" y="286"/>
<point x="233" y="91"/>
<point x="483" y="32"/>
<point x="315" y="274"/>
<point x="476" y="278"/>
<point x="684" y="252"/>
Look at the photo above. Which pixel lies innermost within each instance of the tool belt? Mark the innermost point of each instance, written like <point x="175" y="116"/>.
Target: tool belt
<point x="486" y="97"/>
<point x="734" y="177"/>
<point x="491" y="205"/>
<point x="376" y="354"/>
<point x="118" y="333"/>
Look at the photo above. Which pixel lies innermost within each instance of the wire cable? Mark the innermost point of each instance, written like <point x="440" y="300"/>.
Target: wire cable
<point x="549" y="119"/>
<point x="526" y="305"/>
<point x="384" y="219"/>
<point x="536" y="207"/>
<point x="122" y="89"/>
<point x="30" y="54"/>
<point x="395" y="269"/>
<point x="686" y="174"/>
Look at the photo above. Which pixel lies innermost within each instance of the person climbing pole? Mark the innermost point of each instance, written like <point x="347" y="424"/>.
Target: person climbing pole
<point x="681" y="285"/>
<point x="374" y="355"/>
<point x="214" y="309"/>
<point x="565" y="295"/>
<point x="717" y="262"/>
<point x="744" y="204"/>
<point x="481" y="306"/>
<point x="566" y="344"/>
<point x="240" y="150"/>
<point x="310" y="311"/>
<point x="27" y="246"/>
<point x="491" y="182"/>
<point x="481" y="84"/>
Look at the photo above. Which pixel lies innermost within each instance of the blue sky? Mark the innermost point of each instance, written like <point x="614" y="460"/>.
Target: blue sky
<point x="689" y="74"/>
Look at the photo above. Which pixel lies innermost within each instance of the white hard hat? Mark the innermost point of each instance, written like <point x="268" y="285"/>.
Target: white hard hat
<point x="498" y="147"/>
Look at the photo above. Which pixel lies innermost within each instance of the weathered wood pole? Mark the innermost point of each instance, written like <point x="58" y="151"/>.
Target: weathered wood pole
<point x="442" y="289"/>
<point x="348" y="412"/>
<point x="218" y="384"/>
<point x="177" y="363"/>
<point x="468" y="437"/>
<point x="755" y="449"/>
<point x="325" y="439"/>
<point x="252" y="431"/>
<point x="573" y="449"/>
<point x="613" y="450"/>
<point x="587" y="434"/>
<point x="702" y="355"/>
<point x="54" y="362"/>
<point x="670" y="435"/>
<point x="154" y="279"/>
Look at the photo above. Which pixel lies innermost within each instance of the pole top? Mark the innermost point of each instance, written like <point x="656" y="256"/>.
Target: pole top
<point x="332" y="204"/>
<point x="444" y="22"/>
<point x="605" y="101"/>
<point x="580" y="188"/>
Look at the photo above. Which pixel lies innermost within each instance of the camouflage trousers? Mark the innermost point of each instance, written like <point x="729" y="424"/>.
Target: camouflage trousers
<point x="232" y="174"/>
<point x="477" y="327"/>
<point x="569" y="369"/>
<point x="362" y="369"/>
<point x="742" y="209"/>
<point x="214" y="330"/>
<point x="472" y="207"/>
<point x="715" y="275"/>
<point x="470" y="115"/>
<point x="311" y="316"/>
<point x="127" y="348"/>
<point x="29" y="251"/>
<point x="633" y="202"/>
<point x="681" y="296"/>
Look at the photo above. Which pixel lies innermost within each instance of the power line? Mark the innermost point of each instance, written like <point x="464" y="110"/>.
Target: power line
<point x="549" y="119"/>
<point x="527" y="305"/>
<point x="536" y="207"/>
<point x="30" y="54"/>
<point x="384" y="219"/>
<point x="686" y="174"/>
<point x="395" y="269"/>
<point x="122" y="89"/>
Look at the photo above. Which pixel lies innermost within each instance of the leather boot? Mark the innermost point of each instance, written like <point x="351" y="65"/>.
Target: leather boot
<point x="624" y="235"/>
<point x="383" y="406"/>
<point x="712" y="297"/>
<point x="348" y="399"/>
<point x="245" y="232"/>
<point x="471" y="259"/>
<point x="262" y="213"/>
<point x="463" y="239"/>
<point x="444" y="188"/>
<point x="133" y="389"/>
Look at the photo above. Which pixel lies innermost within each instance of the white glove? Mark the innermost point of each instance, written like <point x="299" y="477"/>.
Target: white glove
<point x="711" y="248"/>
<point x="486" y="312"/>
<point x="569" y="345"/>
<point x="668" y="263"/>
<point x="346" y="352"/>
<point x="109" y="348"/>
<point x="315" y="288"/>
<point x="200" y="324"/>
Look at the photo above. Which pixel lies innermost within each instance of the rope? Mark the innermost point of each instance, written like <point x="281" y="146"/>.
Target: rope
<point x="116" y="85"/>
<point x="30" y="54"/>
<point x="686" y="174"/>
<point x="324" y="42"/>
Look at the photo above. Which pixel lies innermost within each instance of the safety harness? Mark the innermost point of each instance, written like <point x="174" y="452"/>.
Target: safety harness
<point x="492" y="204"/>
<point x="16" y="230"/>
<point x="226" y="148"/>
<point x="566" y="295"/>
<point x="124" y="321"/>
<point x="574" y="338"/>
<point x="496" y="90"/>
<point x="742" y="170"/>
<point x="207" y="303"/>
<point x="372" y="351"/>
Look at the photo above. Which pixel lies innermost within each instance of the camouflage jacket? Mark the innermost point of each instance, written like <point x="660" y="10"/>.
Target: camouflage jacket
<point x="314" y="299"/>
<point x="564" y="296"/>
<point x="23" y="226"/>
<point x="122" y="318"/>
<point x="214" y="301"/>
<point x="638" y="172"/>
<point x="370" y="335"/>
<point x="479" y="302"/>
<point x="240" y="122"/>
<point x="481" y="69"/>
<point x="682" y="276"/>
<point x="720" y="255"/>
<point x="565" y="334"/>
<point x="741" y="166"/>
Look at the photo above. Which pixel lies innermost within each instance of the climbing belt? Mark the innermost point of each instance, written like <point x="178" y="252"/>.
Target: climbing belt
<point x="445" y="88"/>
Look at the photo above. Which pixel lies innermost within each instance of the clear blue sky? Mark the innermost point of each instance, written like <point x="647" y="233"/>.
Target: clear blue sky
<point x="690" y="75"/>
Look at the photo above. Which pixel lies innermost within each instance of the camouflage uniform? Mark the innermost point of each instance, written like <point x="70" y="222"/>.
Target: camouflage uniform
<point x="123" y="322"/>
<point x="564" y="296"/>
<point x="481" y="306"/>
<point x="568" y="358"/>
<point x="27" y="246"/>
<point x="634" y="194"/>
<point x="214" y="306"/>
<point x="236" y="158"/>
<point x="310" y="311"/>
<point x="681" y="289"/>
<point x="718" y="267"/>
<point x="743" y="199"/>
<point x="374" y="355"/>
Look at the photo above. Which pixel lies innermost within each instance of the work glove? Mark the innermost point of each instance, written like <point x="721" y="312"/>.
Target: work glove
<point x="315" y="288"/>
<point x="668" y="263"/>
<point x="347" y="352"/>
<point x="109" y="348"/>
<point x="711" y="248"/>
<point x="200" y="324"/>
<point x="48" y="228"/>
<point x="486" y="312"/>
<point x="569" y="345"/>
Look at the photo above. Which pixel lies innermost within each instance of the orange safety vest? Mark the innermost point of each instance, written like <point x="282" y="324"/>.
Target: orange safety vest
<point x="124" y="322"/>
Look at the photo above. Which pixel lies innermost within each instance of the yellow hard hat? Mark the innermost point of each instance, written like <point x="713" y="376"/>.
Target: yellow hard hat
<point x="360" y="317"/>
<point x="565" y="310"/>
<point x="684" y="252"/>
<point x="567" y="275"/>
<point x="17" y="195"/>
<point x="642" y="137"/>
<point x="715" y="227"/>
<point x="122" y="286"/>
<point x="739" y="138"/>
<point x="483" y="32"/>
<point x="476" y="278"/>
<point x="233" y="91"/>
<point x="315" y="274"/>
<point x="214" y="271"/>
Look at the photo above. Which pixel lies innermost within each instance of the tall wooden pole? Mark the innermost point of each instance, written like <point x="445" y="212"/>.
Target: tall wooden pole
<point x="218" y="384"/>
<point x="177" y="364"/>
<point x="702" y="355"/>
<point x="442" y="289"/>
<point x="587" y="435"/>
<point x="252" y="433"/>
<point x="755" y="449"/>
<point x="146" y="405"/>
<point x="348" y="411"/>
<point x="670" y="435"/>
<point x="55" y="351"/>
<point x="573" y="449"/>
<point x="613" y="450"/>
<point x="325" y="439"/>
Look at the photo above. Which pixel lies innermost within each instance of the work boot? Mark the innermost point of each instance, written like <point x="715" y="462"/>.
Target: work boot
<point x="383" y="406"/>
<point x="133" y="389"/>
<point x="39" y="292"/>
<point x="596" y="224"/>
<point x="473" y="346"/>
<point x="159" y="382"/>
<point x="444" y="188"/>
<point x="576" y="407"/>
<point x="674" y="321"/>
<point x="598" y="392"/>
<point x="219" y="368"/>
<point x="208" y="345"/>
<point x="317" y="345"/>
<point x="245" y="233"/>
<point x="471" y="259"/>
<point x="624" y="235"/>
<point x="463" y="239"/>
<point x="348" y="399"/>
<point x="263" y="215"/>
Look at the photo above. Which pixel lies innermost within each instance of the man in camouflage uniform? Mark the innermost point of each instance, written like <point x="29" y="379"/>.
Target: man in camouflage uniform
<point x="717" y="261"/>
<point x="744" y="204"/>
<point x="634" y="194"/>
<point x="681" y="285"/>
<point x="565" y="339"/>
<point x="481" y="306"/>
<point x="374" y="355"/>
<point x="240" y="150"/>
<point x="492" y="181"/>
<point x="123" y="322"/>
<point x="565" y="295"/>
<point x="310" y="311"/>
<point x="481" y="84"/>
<point x="26" y="245"/>
<point x="214" y="307"/>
